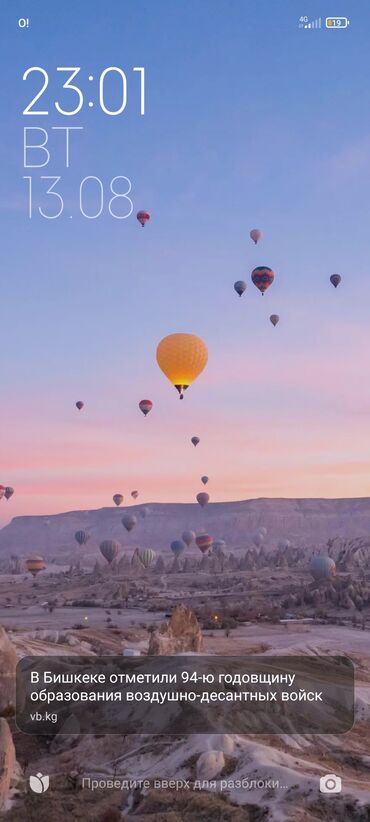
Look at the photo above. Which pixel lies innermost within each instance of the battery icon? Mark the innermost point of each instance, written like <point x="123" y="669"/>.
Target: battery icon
<point x="337" y="22"/>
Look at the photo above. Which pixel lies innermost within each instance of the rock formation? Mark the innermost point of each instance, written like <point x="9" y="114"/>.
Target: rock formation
<point x="8" y="662"/>
<point x="7" y="761"/>
<point x="181" y="634"/>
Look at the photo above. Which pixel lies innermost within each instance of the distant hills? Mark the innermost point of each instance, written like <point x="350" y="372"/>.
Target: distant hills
<point x="304" y="521"/>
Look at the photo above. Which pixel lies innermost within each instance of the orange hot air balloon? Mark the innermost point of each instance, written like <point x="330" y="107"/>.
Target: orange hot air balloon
<point x="35" y="565"/>
<point x="182" y="357"/>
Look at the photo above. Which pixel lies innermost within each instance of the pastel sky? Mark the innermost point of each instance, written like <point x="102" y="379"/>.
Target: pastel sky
<point x="250" y="122"/>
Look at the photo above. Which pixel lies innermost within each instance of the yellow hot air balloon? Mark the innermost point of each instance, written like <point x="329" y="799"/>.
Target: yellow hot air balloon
<point x="182" y="357"/>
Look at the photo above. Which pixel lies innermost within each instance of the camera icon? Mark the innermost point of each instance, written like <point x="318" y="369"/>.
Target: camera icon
<point x="330" y="783"/>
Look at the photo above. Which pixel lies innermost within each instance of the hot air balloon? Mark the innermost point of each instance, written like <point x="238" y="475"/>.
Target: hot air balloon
<point x="109" y="549"/>
<point x="129" y="521"/>
<point x="2" y="491"/>
<point x="258" y="539"/>
<point x="143" y="217"/>
<point x="35" y="565"/>
<point x="118" y="499"/>
<point x="195" y="441"/>
<point x="203" y="499"/>
<point x="335" y="279"/>
<point x="323" y="567"/>
<point x="204" y="542"/>
<point x="255" y="235"/>
<point x="145" y="406"/>
<point x="240" y="287"/>
<point x="80" y="405"/>
<point x="219" y="546"/>
<point x="274" y="319"/>
<point x="262" y="277"/>
<point x="147" y="557"/>
<point x="177" y="547"/>
<point x="204" y="480"/>
<point x="134" y="494"/>
<point x="144" y="511"/>
<point x="182" y="357"/>
<point x="82" y="537"/>
<point x="188" y="537"/>
<point x="9" y="491"/>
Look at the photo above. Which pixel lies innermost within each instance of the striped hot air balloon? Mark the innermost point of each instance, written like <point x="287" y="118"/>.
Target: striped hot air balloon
<point x="147" y="557"/>
<point x="82" y="537"/>
<point x="109" y="549"/>
<point x="204" y="542"/>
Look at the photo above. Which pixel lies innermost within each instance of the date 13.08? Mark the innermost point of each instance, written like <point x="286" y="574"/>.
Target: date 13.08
<point x="93" y="196"/>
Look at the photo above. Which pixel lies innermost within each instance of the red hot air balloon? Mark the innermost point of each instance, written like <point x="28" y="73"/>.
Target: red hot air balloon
<point x="134" y="494"/>
<point x="204" y="542"/>
<point x="80" y="405"/>
<point x="145" y="406"/>
<point x="262" y="277"/>
<point x="143" y="217"/>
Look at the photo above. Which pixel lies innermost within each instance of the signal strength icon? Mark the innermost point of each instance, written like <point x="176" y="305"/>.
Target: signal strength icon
<point x="313" y="24"/>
